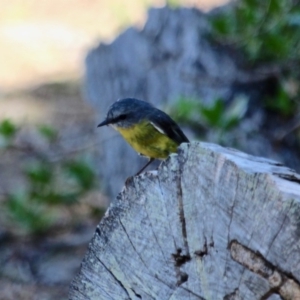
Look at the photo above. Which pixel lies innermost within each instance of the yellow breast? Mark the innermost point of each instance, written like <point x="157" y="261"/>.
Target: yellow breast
<point x="148" y="141"/>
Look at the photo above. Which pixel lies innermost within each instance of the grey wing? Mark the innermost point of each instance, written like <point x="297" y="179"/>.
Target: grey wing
<point x="164" y="124"/>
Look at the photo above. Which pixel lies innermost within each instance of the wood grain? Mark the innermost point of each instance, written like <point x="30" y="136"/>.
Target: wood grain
<point x="211" y="223"/>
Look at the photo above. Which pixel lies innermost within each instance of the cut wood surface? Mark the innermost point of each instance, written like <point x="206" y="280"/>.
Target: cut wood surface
<point x="210" y="223"/>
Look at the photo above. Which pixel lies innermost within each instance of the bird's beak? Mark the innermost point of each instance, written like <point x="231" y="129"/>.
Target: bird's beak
<point x="105" y="122"/>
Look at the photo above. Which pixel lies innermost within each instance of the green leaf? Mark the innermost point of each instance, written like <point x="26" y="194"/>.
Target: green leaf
<point x="55" y="198"/>
<point x="267" y="31"/>
<point x="251" y="4"/>
<point x="221" y="25"/>
<point x="30" y="217"/>
<point x="82" y="173"/>
<point x="274" y="6"/>
<point x="184" y="110"/>
<point x="276" y="44"/>
<point x="48" y="132"/>
<point x="281" y="103"/>
<point x="7" y="129"/>
<point x="230" y="123"/>
<point x="39" y="172"/>
<point x="213" y="114"/>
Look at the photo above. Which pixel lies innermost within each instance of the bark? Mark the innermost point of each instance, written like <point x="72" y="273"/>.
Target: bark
<point x="210" y="223"/>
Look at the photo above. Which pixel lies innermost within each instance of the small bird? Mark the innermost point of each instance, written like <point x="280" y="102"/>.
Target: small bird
<point x="149" y="131"/>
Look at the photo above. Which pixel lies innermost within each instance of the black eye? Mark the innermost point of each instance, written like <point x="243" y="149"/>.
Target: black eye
<point x="122" y="117"/>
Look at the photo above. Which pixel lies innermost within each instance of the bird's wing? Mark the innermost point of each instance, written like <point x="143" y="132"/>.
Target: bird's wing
<point x="165" y="125"/>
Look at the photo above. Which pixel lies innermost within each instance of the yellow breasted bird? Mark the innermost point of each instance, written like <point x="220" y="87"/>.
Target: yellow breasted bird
<point x="150" y="131"/>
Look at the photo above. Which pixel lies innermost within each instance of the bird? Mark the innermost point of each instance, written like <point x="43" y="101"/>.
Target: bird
<point x="149" y="131"/>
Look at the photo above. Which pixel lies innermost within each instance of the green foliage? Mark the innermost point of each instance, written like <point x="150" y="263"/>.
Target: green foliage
<point x="82" y="173"/>
<point x="281" y="103"/>
<point x="49" y="184"/>
<point x="48" y="132"/>
<point x="7" y="129"/>
<point x="186" y="110"/>
<point x="32" y="217"/>
<point x="267" y="31"/>
<point x="39" y="172"/>
<point x="7" y="132"/>
<point x="220" y="117"/>
<point x="217" y="117"/>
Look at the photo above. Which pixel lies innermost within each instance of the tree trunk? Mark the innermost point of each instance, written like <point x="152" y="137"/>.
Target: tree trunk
<point x="211" y="223"/>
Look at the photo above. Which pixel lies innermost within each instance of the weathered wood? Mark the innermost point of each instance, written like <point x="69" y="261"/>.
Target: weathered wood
<point x="211" y="223"/>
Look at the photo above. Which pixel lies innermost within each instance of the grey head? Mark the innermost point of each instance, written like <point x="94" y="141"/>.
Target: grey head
<point x="126" y="112"/>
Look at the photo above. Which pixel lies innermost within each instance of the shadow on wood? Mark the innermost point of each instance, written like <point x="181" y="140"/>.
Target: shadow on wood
<point x="211" y="223"/>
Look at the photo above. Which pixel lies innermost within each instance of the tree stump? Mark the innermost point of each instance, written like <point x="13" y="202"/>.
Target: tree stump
<point x="210" y="223"/>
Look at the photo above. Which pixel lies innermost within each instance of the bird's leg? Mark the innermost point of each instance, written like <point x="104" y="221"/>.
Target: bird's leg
<point x="143" y="168"/>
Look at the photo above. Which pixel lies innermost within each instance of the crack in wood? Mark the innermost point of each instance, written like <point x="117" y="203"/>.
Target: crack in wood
<point x="279" y="282"/>
<point x="179" y="258"/>
<point x="268" y="294"/>
<point x="192" y="293"/>
<point x="278" y="231"/>
<point x="232" y="207"/>
<point x="115" y="278"/>
<point x="131" y="243"/>
<point x="181" y="208"/>
<point x="173" y="288"/>
<point x="97" y="231"/>
<point x="129" y="181"/>
<point x="289" y="177"/>
<point x="169" y="224"/>
<point x="136" y="294"/>
<point x="183" y="277"/>
<point x="155" y="237"/>
<point x="204" y="251"/>
<point x="181" y="215"/>
<point x="235" y="295"/>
